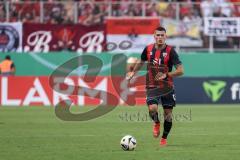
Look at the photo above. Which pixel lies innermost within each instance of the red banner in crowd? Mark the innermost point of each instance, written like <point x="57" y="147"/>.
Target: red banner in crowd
<point x="38" y="91"/>
<point x="53" y="37"/>
<point x="132" y="25"/>
<point x="130" y="34"/>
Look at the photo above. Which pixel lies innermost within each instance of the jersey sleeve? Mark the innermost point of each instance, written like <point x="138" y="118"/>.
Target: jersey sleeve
<point x="175" y="58"/>
<point x="144" y="54"/>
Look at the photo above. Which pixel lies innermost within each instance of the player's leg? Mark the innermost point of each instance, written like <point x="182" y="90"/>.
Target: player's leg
<point x="167" y="124"/>
<point x="153" y="113"/>
<point x="168" y="102"/>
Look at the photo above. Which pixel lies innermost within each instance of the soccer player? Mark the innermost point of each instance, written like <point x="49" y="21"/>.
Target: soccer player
<point x="161" y="58"/>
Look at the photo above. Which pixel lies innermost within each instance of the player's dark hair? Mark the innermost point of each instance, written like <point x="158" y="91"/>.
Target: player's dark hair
<point x="8" y="57"/>
<point x="160" y="28"/>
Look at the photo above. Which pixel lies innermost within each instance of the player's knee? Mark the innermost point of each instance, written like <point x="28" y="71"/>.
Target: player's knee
<point x="153" y="108"/>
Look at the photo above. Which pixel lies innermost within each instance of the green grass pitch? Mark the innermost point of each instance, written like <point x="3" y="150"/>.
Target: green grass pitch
<point x="200" y="132"/>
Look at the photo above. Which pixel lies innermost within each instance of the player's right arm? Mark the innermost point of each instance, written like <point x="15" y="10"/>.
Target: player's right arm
<point x="136" y="68"/>
<point x="137" y="65"/>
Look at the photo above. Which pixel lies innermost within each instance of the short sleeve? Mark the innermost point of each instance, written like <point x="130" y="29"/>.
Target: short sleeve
<point x="144" y="54"/>
<point x="175" y="58"/>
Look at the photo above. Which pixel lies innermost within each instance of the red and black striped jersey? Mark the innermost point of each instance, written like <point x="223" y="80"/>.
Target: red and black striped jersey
<point x="159" y="61"/>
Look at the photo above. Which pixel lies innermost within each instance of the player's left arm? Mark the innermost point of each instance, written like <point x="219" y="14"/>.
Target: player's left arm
<point x="177" y="63"/>
<point x="178" y="72"/>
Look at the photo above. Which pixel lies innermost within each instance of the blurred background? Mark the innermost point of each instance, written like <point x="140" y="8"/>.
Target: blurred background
<point x="41" y="35"/>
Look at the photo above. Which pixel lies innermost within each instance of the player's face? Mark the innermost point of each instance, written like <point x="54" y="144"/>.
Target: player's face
<point x="160" y="37"/>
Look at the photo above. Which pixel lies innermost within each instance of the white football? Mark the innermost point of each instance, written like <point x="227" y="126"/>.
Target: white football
<point x="128" y="143"/>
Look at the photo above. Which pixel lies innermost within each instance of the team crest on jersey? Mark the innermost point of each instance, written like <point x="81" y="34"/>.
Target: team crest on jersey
<point x="157" y="61"/>
<point x="164" y="54"/>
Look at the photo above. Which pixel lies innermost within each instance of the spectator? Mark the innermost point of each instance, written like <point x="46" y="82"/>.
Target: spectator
<point x="189" y="12"/>
<point x="151" y="9"/>
<point x="2" y="12"/>
<point x="222" y="41"/>
<point x="14" y="13"/>
<point x="27" y="11"/>
<point x="7" y="67"/>
<point x="227" y="8"/>
<point x="92" y="13"/>
<point x="185" y="9"/>
<point x="167" y="10"/>
<point x="116" y="9"/>
<point x="68" y="14"/>
<point x="207" y="8"/>
<point x="132" y="10"/>
<point x="85" y="13"/>
<point x="236" y="12"/>
<point x="57" y="14"/>
<point x="99" y="13"/>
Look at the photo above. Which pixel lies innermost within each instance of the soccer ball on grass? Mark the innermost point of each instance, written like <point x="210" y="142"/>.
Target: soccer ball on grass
<point x="128" y="143"/>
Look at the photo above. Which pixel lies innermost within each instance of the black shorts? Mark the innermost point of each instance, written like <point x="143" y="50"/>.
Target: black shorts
<point x="168" y="100"/>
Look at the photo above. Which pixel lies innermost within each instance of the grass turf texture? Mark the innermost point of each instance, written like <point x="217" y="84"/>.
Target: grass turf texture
<point x="199" y="132"/>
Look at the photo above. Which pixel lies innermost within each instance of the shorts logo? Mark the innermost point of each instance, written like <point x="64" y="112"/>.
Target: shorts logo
<point x="9" y="39"/>
<point x="174" y="97"/>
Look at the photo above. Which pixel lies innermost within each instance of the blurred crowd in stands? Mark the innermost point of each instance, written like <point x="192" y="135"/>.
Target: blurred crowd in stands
<point x="90" y="12"/>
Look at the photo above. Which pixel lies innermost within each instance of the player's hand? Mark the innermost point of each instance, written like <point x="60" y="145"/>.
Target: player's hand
<point x="160" y="76"/>
<point x="129" y="75"/>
